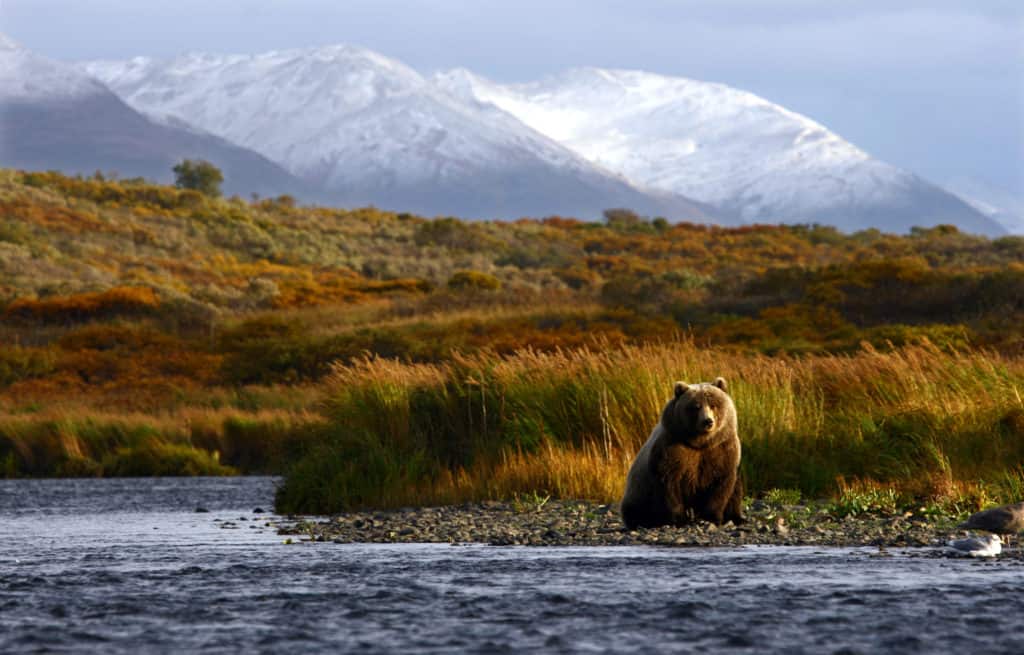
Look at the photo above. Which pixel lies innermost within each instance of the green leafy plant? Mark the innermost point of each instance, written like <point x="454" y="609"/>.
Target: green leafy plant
<point x="781" y="497"/>
<point x="198" y="175"/>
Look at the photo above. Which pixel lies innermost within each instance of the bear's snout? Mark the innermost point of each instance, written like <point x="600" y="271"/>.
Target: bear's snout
<point x="705" y="419"/>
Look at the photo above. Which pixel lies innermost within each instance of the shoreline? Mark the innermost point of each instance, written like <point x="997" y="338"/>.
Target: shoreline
<point x="582" y="523"/>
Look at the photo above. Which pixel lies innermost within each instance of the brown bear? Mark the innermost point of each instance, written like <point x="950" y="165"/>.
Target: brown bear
<point x="689" y="467"/>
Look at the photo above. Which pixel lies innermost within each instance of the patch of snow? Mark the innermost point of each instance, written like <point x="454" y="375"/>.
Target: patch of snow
<point x="25" y="76"/>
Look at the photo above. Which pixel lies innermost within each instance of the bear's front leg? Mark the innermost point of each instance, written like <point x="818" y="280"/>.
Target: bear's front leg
<point x="734" y="508"/>
<point x="719" y="498"/>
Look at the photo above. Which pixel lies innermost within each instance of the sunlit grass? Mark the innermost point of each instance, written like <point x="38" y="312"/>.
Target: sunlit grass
<point x="921" y="421"/>
<point x="73" y="441"/>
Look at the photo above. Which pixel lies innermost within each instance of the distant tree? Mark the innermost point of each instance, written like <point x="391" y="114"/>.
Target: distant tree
<point x="620" y="217"/>
<point x="285" y="200"/>
<point x="627" y="220"/>
<point x="199" y="175"/>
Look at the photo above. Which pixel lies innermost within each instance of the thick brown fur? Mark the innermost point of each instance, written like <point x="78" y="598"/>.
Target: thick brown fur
<point x="689" y="467"/>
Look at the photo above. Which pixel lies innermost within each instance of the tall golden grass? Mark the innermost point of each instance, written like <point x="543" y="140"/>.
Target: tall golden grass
<point x="923" y="420"/>
<point x="74" y="441"/>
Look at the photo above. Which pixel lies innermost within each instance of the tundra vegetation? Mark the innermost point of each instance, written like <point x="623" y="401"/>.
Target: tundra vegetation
<point x="382" y="359"/>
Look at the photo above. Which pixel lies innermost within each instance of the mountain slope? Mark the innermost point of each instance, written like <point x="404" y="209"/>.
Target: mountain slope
<point x="368" y="129"/>
<point x="1004" y="207"/>
<point x="55" y="117"/>
<point x="729" y="148"/>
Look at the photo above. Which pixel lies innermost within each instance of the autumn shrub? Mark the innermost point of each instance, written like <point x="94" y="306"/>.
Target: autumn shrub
<point x="104" y="191"/>
<point x="397" y="285"/>
<point x="264" y="445"/>
<point x="654" y="294"/>
<point x="19" y="363"/>
<point x="473" y="281"/>
<point x="118" y="301"/>
<point x="106" y="336"/>
<point x="276" y="350"/>
<point x="578" y="278"/>
<point x="266" y="350"/>
<point x="452" y="233"/>
<point x="185" y="315"/>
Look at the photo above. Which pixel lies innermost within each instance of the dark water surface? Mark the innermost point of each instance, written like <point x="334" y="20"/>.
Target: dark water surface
<point x="128" y="566"/>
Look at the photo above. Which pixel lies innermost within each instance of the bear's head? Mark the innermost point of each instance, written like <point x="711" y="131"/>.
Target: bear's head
<point x="700" y="415"/>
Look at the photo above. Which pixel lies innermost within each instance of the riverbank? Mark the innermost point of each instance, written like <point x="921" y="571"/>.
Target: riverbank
<point x="538" y="522"/>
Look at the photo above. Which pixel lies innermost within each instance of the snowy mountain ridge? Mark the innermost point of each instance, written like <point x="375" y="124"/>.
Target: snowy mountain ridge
<point x="368" y="129"/>
<point x="723" y="146"/>
<point x="373" y="130"/>
<point x="25" y="76"/>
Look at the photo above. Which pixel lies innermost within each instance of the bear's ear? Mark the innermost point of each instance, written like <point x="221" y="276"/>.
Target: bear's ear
<point x="721" y="384"/>
<point x="681" y="388"/>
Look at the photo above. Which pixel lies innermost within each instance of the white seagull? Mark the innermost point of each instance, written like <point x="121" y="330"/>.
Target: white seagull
<point x="987" y="546"/>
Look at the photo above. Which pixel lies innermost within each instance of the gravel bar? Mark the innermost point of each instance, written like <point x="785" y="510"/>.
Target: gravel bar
<point x="581" y="523"/>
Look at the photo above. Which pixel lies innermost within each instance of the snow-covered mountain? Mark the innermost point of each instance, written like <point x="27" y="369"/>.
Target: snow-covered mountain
<point x="365" y="129"/>
<point x="53" y="116"/>
<point x="27" y="77"/>
<point x="729" y="148"/>
<point x="371" y="130"/>
<point x="1002" y="206"/>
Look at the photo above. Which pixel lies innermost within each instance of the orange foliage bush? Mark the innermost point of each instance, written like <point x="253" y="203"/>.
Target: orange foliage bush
<point x="55" y="217"/>
<point x="400" y="285"/>
<point x="136" y="192"/>
<point x="473" y="280"/>
<point x="118" y="301"/>
<point x="562" y="223"/>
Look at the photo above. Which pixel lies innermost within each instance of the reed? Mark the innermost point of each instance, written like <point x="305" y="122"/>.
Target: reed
<point x="920" y="420"/>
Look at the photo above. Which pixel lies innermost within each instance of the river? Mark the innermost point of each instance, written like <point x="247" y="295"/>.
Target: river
<point x="128" y="565"/>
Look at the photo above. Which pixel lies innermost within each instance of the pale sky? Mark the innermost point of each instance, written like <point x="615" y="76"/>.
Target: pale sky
<point x="933" y="87"/>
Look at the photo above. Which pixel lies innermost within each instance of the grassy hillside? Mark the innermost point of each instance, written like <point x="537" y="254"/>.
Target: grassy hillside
<point x="146" y="329"/>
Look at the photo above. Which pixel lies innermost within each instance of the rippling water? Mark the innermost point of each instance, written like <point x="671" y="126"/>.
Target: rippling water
<point x="127" y="565"/>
